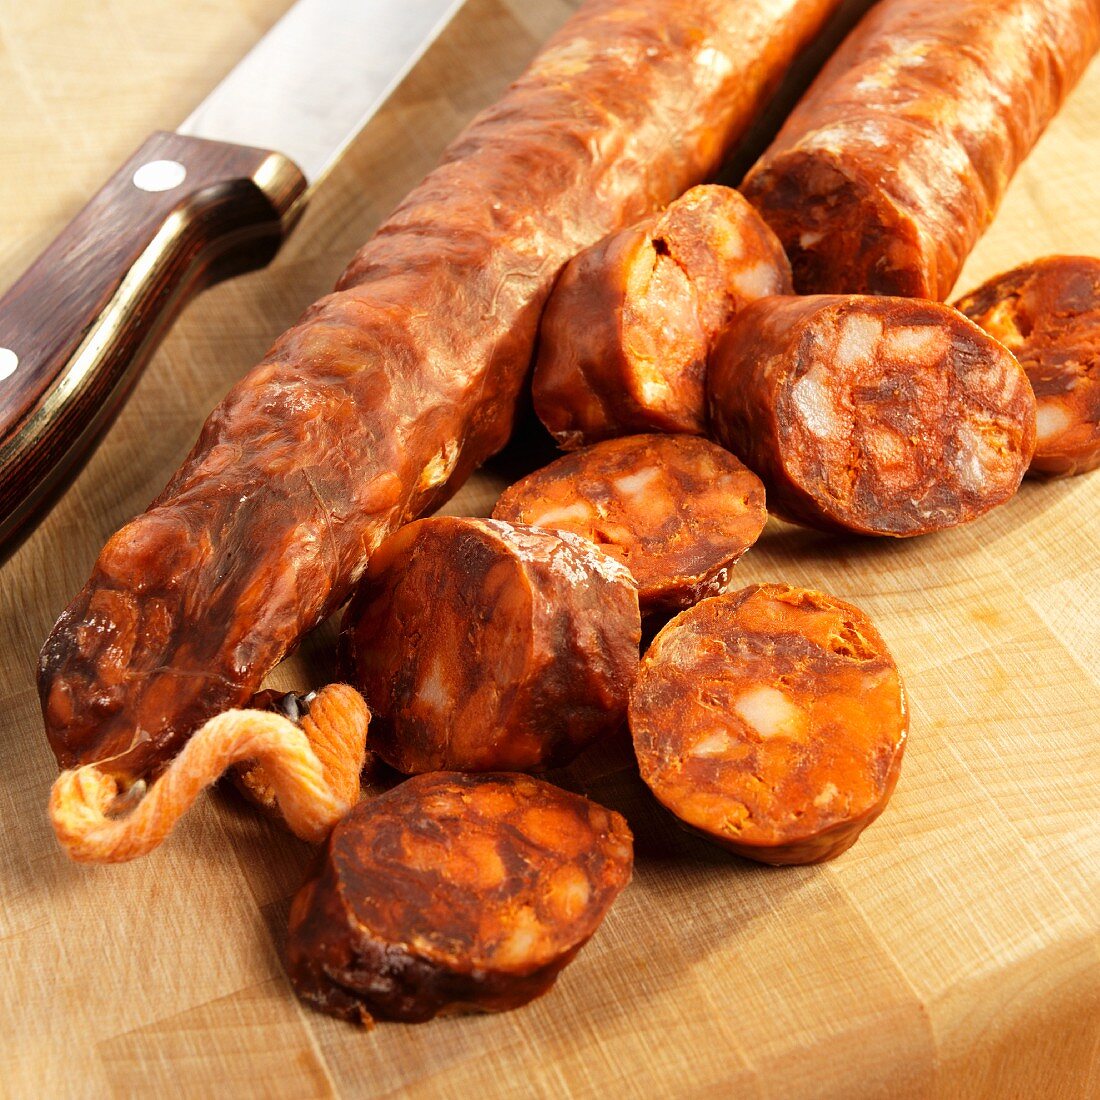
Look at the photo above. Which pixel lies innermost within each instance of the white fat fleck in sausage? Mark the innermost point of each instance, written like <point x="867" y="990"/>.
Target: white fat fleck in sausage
<point x="1051" y="419"/>
<point x="770" y="713"/>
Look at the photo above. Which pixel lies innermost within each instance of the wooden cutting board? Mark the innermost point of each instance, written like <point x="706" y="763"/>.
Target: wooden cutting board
<point x="953" y="952"/>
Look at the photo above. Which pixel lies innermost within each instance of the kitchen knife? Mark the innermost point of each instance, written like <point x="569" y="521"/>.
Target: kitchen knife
<point x="213" y="198"/>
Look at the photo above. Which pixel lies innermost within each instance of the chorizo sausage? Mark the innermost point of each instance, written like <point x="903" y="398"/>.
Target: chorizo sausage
<point x="1047" y="313"/>
<point x="771" y="720"/>
<point x="483" y="646"/>
<point x="880" y="416"/>
<point x="896" y="159"/>
<point x="454" y="893"/>
<point x="676" y="510"/>
<point x="383" y="398"/>
<point x="624" y="340"/>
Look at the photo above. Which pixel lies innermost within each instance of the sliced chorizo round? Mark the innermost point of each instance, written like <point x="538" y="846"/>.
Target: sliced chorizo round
<point x="626" y="333"/>
<point x="482" y="645"/>
<point x="1047" y="313"/>
<point x="880" y="416"/>
<point x="771" y="720"/>
<point x="678" y="511"/>
<point x="454" y="893"/>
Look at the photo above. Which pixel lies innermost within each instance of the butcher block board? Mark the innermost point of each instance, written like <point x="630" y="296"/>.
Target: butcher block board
<point x="951" y="953"/>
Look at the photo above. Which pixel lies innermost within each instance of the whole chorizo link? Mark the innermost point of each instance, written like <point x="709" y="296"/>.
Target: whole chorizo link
<point x="894" y="162"/>
<point x="385" y="396"/>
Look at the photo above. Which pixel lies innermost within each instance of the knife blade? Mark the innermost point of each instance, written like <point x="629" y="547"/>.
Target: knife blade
<point x="211" y="199"/>
<point x="318" y="76"/>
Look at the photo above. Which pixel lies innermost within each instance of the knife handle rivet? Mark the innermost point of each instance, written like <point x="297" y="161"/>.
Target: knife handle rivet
<point x="160" y="175"/>
<point x="8" y="362"/>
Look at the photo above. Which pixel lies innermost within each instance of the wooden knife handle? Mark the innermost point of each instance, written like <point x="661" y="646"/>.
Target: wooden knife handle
<point x="75" y="330"/>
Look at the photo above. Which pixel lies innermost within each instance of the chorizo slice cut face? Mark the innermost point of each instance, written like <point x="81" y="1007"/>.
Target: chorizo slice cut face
<point x="880" y="416"/>
<point x="1047" y="313"/>
<point x="678" y="511"/>
<point x="482" y="645"/>
<point x="771" y="720"/>
<point x="454" y="893"/>
<point x="626" y="333"/>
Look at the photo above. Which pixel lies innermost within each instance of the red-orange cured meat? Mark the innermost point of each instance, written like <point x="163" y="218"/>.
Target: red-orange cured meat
<point x="381" y="400"/>
<point x="896" y="159"/>
<point x="771" y="720"/>
<point x="624" y="340"/>
<point x="454" y="893"/>
<point x="678" y="511"/>
<point x="880" y="416"/>
<point x="1047" y="313"/>
<point x="482" y="646"/>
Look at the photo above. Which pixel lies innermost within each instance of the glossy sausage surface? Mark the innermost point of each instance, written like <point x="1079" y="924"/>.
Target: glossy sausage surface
<point x="481" y="645"/>
<point x="896" y="159"/>
<point x="382" y="399"/>
<point x="624" y="341"/>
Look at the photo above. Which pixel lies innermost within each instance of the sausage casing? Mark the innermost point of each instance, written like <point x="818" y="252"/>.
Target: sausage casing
<point x="678" y="511"/>
<point x="771" y="720"/>
<point x="896" y="159"/>
<point x="383" y="398"/>
<point x="453" y="893"/>
<point x="482" y="646"/>
<point x="879" y="416"/>
<point x="1047" y="313"/>
<point x="626" y="333"/>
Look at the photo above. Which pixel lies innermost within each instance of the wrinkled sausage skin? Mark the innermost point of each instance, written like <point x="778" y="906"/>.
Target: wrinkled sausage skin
<point x="771" y="720"/>
<point x="879" y="416"/>
<point x="895" y="161"/>
<point x="626" y="333"/>
<point x="377" y="405"/>
<point x="482" y="646"/>
<point x="454" y="893"/>
<point x="1047" y="313"/>
<point x="676" y="510"/>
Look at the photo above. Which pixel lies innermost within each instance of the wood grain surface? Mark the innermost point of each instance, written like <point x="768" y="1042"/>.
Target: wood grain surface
<point x="953" y="952"/>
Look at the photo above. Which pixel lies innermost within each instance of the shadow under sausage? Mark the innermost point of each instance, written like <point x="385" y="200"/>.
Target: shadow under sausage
<point x="690" y="900"/>
<point x="530" y="447"/>
<point x="795" y="82"/>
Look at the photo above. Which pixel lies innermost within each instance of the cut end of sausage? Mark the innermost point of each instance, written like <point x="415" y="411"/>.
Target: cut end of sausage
<point x="881" y="416"/>
<point x="771" y="720"/>
<point x="842" y="233"/>
<point x="482" y="645"/>
<point x="662" y="352"/>
<point x="730" y="256"/>
<point x="678" y="511"/>
<point x="626" y="333"/>
<point x="454" y="893"/>
<point x="1047" y="313"/>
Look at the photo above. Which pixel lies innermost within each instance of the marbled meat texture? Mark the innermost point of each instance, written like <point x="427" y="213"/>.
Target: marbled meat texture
<point x="454" y="893"/>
